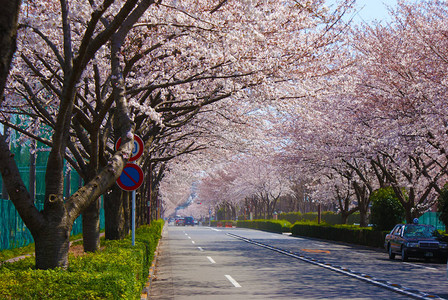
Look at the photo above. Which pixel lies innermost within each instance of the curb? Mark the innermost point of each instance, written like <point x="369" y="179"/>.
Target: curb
<point x="145" y="295"/>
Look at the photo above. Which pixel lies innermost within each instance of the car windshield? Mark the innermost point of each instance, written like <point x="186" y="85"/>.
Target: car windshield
<point x="420" y="231"/>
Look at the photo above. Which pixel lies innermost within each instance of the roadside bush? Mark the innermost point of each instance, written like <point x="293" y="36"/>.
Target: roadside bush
<point x="222" y="223"/>
<point x="386" y="210"/>
<point x="117" y="272"/>
<point x="344" y="233"/>
<point x="291" y="217"/>
<point x="278" y="226"/>
<point x="328" y="217"/>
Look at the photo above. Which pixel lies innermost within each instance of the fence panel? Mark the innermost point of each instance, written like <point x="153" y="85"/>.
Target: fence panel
<point x="432" y="218"/>
<point x="14" y="233"/>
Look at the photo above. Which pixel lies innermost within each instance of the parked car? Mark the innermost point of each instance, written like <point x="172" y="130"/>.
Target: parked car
<point x="179" y="222"/>
<point x="189" y="221"/>
<point x="416" y="240"/>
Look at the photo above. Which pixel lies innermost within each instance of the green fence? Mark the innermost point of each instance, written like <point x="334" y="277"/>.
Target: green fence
<point x="13" y="233"/>
<point x="432" y="218"/>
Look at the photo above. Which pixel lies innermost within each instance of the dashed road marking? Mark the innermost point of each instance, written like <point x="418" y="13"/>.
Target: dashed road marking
<point x="233" y="281"/>
<point x="211" y="260"/>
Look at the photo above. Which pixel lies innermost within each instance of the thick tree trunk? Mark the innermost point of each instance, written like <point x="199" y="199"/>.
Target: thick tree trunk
<point x="114" y="214"/>
<point x="363" y="217"/>
<point x="52" y="240"/>
<point x="91" y="227"/>
<point x="52" y="245"/>
<point x="344" y="217"/>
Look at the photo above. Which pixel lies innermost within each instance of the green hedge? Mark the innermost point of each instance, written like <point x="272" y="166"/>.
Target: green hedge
<point x="343" y="233"/>
<point x="328" y="217"/>
<point x="222" y="223"/>
<point x="267" y="225"/>
<point x="117" y="272"/>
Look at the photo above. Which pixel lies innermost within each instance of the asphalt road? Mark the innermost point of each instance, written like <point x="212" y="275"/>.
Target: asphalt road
<point x="235" y="263"/>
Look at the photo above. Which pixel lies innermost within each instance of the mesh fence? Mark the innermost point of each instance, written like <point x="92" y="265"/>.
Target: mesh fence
<point x="432" y="218"/>
<point x="13" y="232"/>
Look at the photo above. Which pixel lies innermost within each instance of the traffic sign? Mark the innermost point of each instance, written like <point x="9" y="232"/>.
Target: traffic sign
<point x="137" y="150"/>
<point x="131" y="178"/>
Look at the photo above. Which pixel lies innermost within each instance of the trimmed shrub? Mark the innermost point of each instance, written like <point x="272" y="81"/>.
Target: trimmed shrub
<point x="118" y="272"/>
<point x="344" y="233"/>
<point x="278" y="226"/>
<point x="386" y="210"/>
<point x="291" y="217"/>
<point x="328" y="217"/>
<point x="223" y="223"/>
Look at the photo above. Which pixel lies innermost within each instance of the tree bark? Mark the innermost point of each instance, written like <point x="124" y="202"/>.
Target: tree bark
<point x="9" y="15"/>
<point x="114" y="214"/>
<point x="91" y="227"/>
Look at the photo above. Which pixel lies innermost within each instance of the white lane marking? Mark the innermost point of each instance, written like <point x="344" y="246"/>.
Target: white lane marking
<point x="211" y="260"/>
<point x="415" y="265"/>
<point x="200" y="249"/>
<point x="233" y="281"/>
<point x="189" y="237"/>
<point x="186" y="233"/>
<point x="192" y="242"/>
<point x="215" y="229"/>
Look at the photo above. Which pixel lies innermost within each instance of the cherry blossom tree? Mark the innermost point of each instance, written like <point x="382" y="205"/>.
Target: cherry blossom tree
<point x="182" y="57"/>
<point x="401" y="85"/>
<point x="60" y="77"/>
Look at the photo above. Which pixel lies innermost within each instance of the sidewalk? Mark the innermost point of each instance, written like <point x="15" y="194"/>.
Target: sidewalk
<point x="162" y="286"/>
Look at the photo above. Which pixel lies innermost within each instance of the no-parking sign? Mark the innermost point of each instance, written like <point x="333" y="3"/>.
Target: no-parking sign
<point x="131" y="178"/>
<point x="137" y="150"/>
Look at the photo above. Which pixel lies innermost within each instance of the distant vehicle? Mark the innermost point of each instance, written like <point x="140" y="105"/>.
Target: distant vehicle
<point x="416" y="240"/>
<point x="189" y="221"/>
<point x="179" y="222"/>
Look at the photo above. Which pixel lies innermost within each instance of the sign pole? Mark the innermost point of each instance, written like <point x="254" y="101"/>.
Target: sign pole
<point x="132" y="176"/>
<point x="133" y="218"/>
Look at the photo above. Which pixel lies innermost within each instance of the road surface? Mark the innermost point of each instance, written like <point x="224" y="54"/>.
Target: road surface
<point x="237" y="263"/>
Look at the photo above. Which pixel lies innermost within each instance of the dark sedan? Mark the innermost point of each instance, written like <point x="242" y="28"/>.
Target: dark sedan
<point x="416" y="240"/>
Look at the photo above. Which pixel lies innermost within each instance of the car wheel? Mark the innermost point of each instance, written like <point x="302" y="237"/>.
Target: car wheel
<point x="404" y="255"/>
<point x="391" y="254"/>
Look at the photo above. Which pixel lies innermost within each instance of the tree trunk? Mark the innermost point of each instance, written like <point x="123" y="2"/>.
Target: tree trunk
<point x="8" y="34"/>
<point x="344" y="217"/>
<point x="363" y="217"/>
<point x="52" y="245"/>
<point x="114" y="214"/>
<point x="91" y="227"/>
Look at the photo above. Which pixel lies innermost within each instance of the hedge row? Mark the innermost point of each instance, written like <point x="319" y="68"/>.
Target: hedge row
<point x="117" y="272"/>
<point x="343" y="233"/>
<point x="266" y="225"/>
<point x="223" y="223"/>
<point x="328" y="217"/>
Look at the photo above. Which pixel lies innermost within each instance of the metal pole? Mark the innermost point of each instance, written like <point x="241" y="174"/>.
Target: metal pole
<point x="133" y="218"/>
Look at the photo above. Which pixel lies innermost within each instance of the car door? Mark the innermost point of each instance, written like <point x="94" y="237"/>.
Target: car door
<point x="397" y="239"/>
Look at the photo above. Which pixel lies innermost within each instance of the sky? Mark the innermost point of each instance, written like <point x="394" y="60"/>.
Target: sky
<point x="370" y="10"/>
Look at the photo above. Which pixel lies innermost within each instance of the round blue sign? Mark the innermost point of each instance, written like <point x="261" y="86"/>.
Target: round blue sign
<point x="131" y="178"/>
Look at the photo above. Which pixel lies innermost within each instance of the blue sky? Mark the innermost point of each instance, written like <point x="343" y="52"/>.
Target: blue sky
<point x="370" y="10"/>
